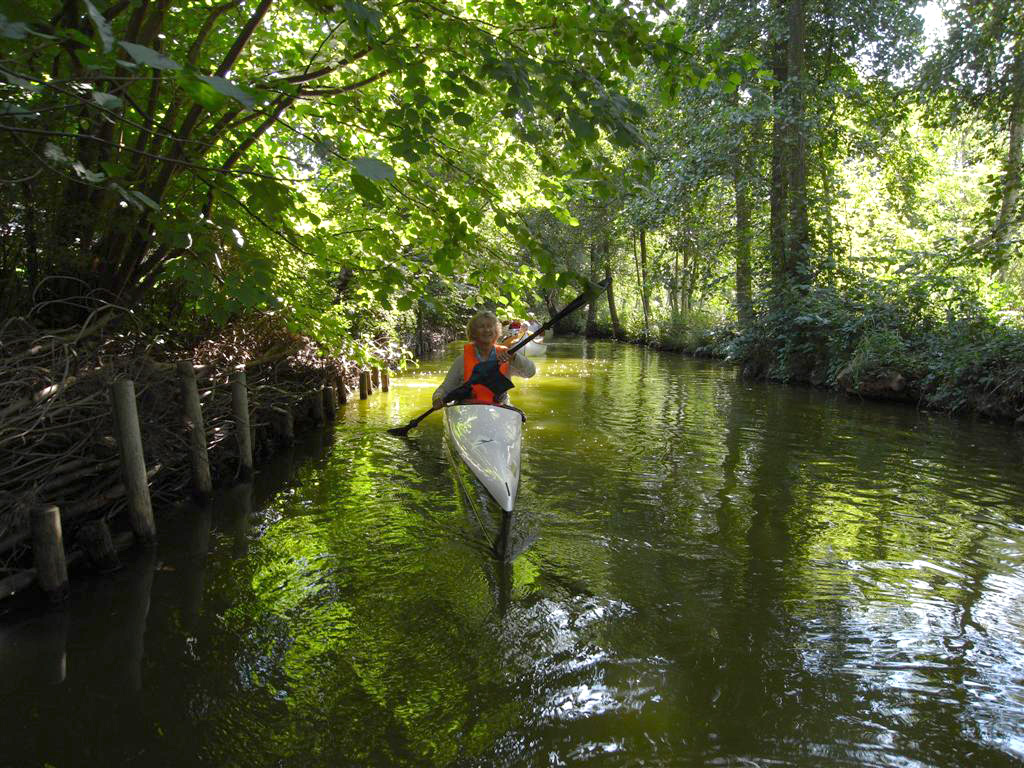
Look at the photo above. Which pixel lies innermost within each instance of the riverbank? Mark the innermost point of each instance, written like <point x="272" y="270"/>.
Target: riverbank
<point x="969" y="365"/>
<point x="61" y="446"/>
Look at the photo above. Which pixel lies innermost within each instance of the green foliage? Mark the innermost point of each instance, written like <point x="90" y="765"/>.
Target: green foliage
<point x="700" y="333"/>
<point x="880" y="351"/>
<point x="361" y="169"/>
<point x="321" y="161"/>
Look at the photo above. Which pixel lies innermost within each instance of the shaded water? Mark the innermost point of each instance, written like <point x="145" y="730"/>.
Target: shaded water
<point x="703" y="572"/>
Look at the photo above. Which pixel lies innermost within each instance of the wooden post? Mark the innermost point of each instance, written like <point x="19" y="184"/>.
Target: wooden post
<point x="99" y="546"/>
<point x="133" y="463"/>
<point x="364" y="384"/>
<point x="385" y="381"/>
<point x="48" y="552"/>
<point x="375" y="378"/>
<point x="342" y="391"/>
<point x="283" y="424"/>
<point x="243" y="434"/>
<point x="316" y="405"/>
<point x="201" y="480"/>
<point x="330" y="406"/>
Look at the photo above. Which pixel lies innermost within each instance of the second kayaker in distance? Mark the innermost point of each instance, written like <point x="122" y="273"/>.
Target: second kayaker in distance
<point x="483" y="331"/>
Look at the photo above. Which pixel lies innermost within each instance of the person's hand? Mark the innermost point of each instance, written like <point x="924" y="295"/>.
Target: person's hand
<point x="438" y="403"/>
<point x="504" y="355"/>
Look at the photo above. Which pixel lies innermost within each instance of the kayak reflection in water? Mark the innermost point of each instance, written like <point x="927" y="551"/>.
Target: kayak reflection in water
<point x="483" y="331"/>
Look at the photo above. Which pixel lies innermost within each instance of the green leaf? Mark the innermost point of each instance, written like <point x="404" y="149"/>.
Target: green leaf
<point x="106" y="100"/>
<point x="271" y="197"/>
<point x="94" y="60"/>
<point x="229" y="89"/>
<point x="474" y="85"/>
<point x="404" y="303"/>
<point x="103" y="28"/>
<point x="201" y="92"/>
<point x="143" y="55"/>
<point x="373" y="169"/>
<point x="583" y="128"/>
<point x="367" y="189"/>
<point x="462" y="118"/>
<point x="406" y="152"/>
<point x="173" y="234"/>
<point x="137" y="200"/>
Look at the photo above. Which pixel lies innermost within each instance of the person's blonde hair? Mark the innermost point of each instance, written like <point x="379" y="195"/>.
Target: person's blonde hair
<point x="478" y="320"/>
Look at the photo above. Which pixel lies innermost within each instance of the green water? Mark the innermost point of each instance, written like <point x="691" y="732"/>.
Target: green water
<point x="703" y="571"/>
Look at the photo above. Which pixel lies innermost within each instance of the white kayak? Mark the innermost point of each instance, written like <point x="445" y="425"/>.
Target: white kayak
<point x="488" y="440"/>
<point x="535" y="348"/>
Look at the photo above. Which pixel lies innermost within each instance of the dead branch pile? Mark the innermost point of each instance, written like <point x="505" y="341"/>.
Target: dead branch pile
<point x="56" y="424"/>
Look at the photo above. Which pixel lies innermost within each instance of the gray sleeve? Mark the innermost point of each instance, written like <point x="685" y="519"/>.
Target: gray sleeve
<point x="521" y="365"/>
<point x="451" y="381"/>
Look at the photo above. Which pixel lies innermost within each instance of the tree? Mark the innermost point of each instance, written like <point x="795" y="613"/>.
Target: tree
<point x="220" y="154"/>
<point x="978" y="71"/>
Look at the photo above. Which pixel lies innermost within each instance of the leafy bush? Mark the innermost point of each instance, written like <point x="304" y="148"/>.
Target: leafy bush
<point x="933" y="333"/>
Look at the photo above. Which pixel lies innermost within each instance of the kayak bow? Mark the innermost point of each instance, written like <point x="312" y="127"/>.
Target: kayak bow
<point x="488" y="440"/>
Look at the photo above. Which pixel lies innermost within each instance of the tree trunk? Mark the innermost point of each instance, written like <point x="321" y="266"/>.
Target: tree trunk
<point x="1007" y="223"/>
<point x="551" y="302"/>
<point x="420" y="342"/>
<point x="797" y="230"/>
<point x="591" y="326"/>
<point x="744" y="238"/>
<point x="777" y="195"/>
<point x="642" y="277"/>
<point x="689" y="273"/>
<point x="616" y="327"/>
<point x="673" y="290"/>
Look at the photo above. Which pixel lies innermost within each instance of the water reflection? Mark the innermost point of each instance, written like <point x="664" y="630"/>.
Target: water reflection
<point x="699" y="570"/>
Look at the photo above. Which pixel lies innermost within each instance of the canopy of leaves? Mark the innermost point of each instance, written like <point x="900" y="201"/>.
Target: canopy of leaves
<point x="323" y="160"/>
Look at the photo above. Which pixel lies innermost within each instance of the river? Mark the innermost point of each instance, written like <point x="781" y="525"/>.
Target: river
<point x="701" y="571"/>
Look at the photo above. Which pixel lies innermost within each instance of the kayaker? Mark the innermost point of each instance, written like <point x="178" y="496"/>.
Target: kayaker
<point x="511" y="332"/>
<point x="483" y="331"/>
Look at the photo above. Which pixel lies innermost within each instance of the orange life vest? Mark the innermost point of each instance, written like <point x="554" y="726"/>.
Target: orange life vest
<point x="481" y="394"/>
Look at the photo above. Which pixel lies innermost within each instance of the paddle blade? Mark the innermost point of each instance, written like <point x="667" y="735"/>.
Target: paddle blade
<point x="403" y="431"/>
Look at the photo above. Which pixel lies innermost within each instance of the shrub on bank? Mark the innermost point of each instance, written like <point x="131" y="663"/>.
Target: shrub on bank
<point x="927" y="340"/>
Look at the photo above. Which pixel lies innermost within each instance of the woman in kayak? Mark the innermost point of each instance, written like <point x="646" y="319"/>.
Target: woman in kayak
<point x="483" y="331"/>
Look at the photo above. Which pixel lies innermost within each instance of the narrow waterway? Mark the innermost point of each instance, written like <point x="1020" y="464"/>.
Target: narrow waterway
<point x="701" y="571"/>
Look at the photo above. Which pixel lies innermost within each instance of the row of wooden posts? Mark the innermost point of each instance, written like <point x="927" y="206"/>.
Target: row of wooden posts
<point x="51" y="563"/>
